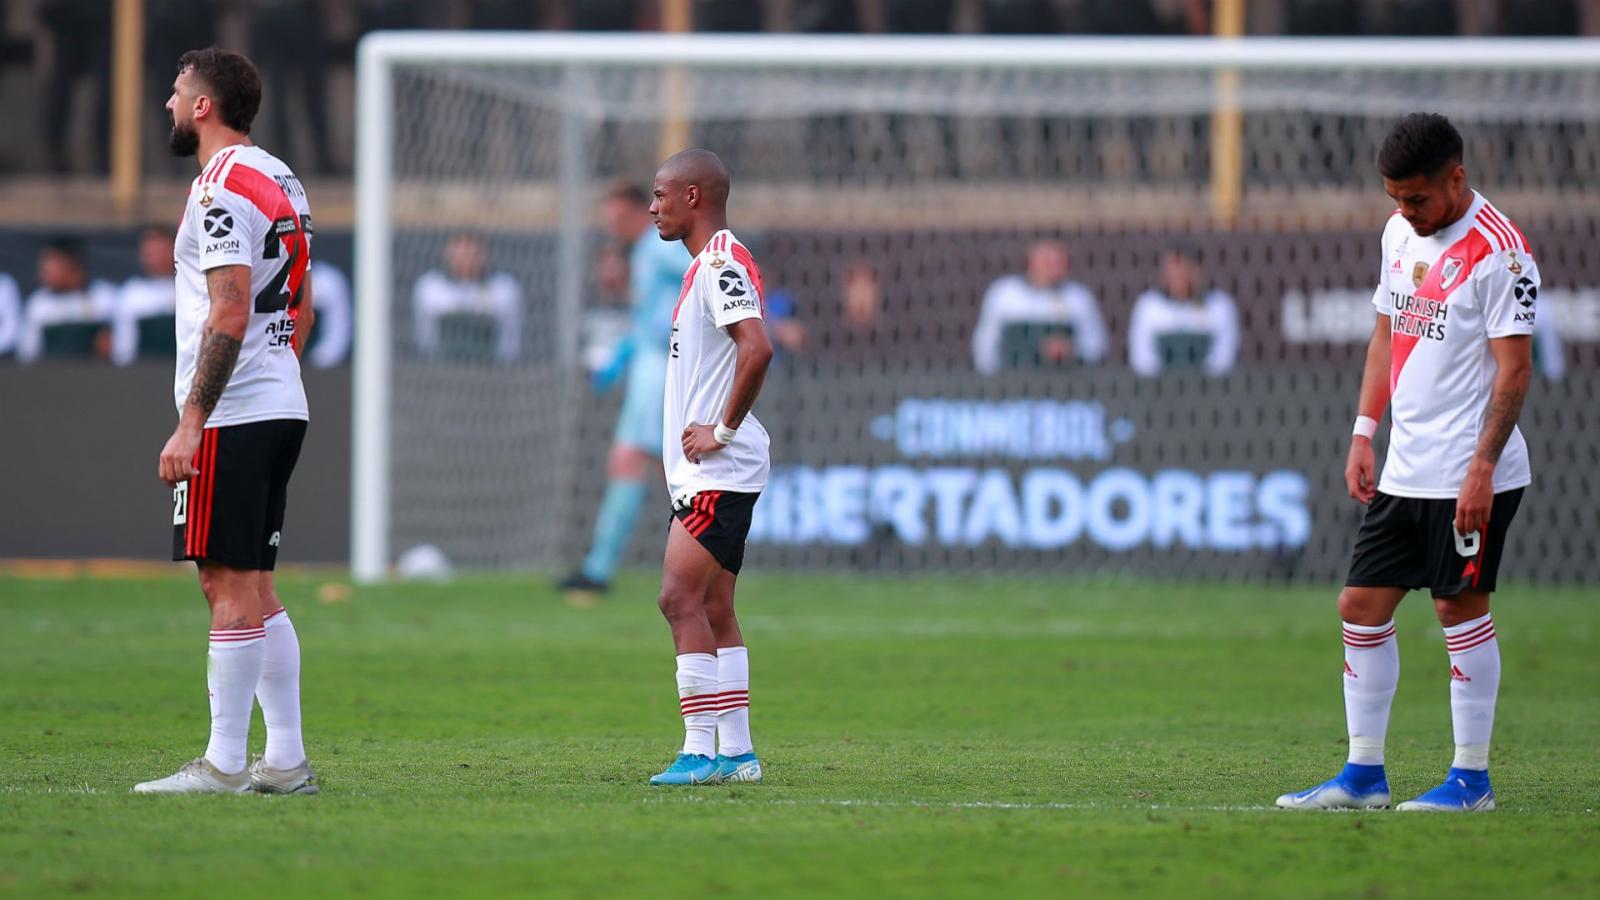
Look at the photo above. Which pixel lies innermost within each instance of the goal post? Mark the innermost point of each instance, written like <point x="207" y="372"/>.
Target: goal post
<point x="865" y="167"/>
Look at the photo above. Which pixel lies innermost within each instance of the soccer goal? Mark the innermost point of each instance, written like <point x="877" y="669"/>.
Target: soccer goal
<point x="928" y="408"/>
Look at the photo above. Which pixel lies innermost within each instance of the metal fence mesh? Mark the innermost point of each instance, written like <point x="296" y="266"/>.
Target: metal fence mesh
<point x="883" y="205"/>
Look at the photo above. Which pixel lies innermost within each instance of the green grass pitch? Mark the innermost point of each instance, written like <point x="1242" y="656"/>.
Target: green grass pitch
<point x="935" y="736"/>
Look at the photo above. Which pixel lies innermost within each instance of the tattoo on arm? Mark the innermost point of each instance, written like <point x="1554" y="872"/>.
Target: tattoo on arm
<point x="1499" y="420"/>
<point x="746" y="399"/>
<point x="219" y="352"/>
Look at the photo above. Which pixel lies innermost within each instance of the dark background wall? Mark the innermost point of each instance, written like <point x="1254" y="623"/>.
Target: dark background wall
<point x="80" y="450"/>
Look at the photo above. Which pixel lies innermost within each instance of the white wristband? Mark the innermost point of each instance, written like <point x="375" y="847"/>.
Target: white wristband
<point x="724" y="434"/>
<point x="1366" y="426"/>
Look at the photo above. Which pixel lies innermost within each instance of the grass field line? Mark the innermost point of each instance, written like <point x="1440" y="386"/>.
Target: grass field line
<point x="1046" y="805"/>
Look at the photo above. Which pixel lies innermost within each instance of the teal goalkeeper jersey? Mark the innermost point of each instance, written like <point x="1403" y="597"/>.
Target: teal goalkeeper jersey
<point x="655" y="279"/>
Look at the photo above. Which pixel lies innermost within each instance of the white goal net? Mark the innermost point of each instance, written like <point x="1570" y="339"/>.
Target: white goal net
<point x="885" y="186"/>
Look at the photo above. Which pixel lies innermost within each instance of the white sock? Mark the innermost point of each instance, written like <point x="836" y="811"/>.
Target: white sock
<point x="697" y="700"/>
<point x="733" y="690"/>
<point x="1474" y="685"/>
<point x="278" y="692"/>
<point x="232" y="669"/>
<point x="1371" y="672"/>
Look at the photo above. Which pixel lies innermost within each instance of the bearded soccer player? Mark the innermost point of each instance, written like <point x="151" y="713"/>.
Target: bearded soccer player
<point x="1451" y="359"/>
<point x="715" y="456"/>
<point x="244" y="309"/>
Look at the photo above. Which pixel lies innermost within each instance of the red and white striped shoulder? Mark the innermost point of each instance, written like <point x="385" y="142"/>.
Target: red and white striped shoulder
<point x="1499" y="230"/>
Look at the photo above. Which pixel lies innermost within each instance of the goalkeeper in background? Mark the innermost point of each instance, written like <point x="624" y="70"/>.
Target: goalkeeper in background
<point x="655" y="277"/>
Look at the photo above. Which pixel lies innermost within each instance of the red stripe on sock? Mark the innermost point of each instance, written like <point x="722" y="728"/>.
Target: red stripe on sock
<point x="1469" y="635"/>
<point x="1353" y="639"/>
<point x="1471" y="644"/>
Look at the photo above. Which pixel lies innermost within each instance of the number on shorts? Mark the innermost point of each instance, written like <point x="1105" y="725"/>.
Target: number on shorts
<point x="180" y="503"/>
<point x="1466" y="544"/>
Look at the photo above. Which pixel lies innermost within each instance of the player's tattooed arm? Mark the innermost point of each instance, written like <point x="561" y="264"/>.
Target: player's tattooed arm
<point x="220" y="340"/>
<point x="222" y="337"/>
<point x="1514" y="357"/>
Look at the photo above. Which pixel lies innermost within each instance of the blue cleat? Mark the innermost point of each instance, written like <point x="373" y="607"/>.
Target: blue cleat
<point x="1355" y="787"/>
<point x="688" y="768"/>
<point x="742" y="768"/>
<point x="1464" y="790"/>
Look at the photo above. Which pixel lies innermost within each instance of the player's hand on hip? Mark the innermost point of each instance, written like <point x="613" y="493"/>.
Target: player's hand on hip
<point x="1359" y="469"/>
<point x="698" y="440"/>
<point x="177" y="457"/>
<point x="1475" y="500"/>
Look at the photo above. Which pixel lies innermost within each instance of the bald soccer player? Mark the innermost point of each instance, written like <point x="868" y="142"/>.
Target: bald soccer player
<point x="715" y="455"/>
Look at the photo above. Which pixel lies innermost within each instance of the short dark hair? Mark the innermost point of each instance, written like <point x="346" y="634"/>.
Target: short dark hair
<point x="68" y="245"/>
<point x="234" y="79"/>
<point x="1419" y="144"/>
<point x="628" y="192"/>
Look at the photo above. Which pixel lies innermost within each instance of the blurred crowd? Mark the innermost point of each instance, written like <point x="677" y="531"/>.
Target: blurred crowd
<point x="470" y="304"/>
<point x="65" y="310"/>
<point x="55" y="68"/>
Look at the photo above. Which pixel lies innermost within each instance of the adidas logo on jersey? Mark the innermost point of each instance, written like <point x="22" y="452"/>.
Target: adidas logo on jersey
<point x="1457" y="675"/>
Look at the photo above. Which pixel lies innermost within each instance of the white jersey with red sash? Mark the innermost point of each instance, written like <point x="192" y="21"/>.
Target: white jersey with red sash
<point x="246" y="209"/>
<point x="1446" y="295"/>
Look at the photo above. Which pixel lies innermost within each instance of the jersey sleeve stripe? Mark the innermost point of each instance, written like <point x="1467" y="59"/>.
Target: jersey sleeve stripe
<point x="211" y="166"/>
<point x="1500" y="241"/>
<point x="1488" y="235"/>
<point x="1498" y="227"/>
<point x="1487" y="216"/>
<point x="214" y="171"/>
<point x="1521" y="240"/>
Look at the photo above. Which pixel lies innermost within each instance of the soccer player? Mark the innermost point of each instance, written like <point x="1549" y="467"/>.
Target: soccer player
<point x="244" y="309"/>
<point x="655" y="273"/>
<point x="1451" y="359"/>
<point x="715" y="456"/>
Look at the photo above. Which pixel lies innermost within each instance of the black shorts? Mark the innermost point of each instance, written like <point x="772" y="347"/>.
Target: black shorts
<point x="232" y="512"/>
<point x="1411" y="542"/>
<point x="720" y="521"/>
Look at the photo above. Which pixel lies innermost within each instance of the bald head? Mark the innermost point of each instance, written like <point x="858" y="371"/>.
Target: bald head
<point x="690" y="196"/>
<point x="702" y="169"/>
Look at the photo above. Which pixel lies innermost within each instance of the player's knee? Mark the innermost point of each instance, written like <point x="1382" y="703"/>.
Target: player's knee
<point x="1358" y="607"/>
<point x="677" y="603"/>
<point x="208" y="584"/>
<point x="1460" y="608"/>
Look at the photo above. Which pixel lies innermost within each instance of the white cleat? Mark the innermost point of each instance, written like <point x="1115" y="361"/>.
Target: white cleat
<point x="298" y="780"/>
<point x="197" y="777"/>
